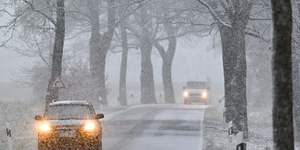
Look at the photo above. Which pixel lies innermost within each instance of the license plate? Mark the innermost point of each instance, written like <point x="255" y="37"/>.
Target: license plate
<point x="67" y="134"/>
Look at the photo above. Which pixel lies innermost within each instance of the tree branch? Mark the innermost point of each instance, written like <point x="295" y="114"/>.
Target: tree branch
<point x="45" y="15"/>
<point x="160" y="48"/>
<point x="216" y="17"/>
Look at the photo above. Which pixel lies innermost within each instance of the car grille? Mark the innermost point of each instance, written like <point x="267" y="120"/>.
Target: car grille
<point x="194" y="94"/>
<point x="66" y="128"/>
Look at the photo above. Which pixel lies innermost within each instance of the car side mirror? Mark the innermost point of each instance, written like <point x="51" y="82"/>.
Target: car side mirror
<point x="38" y="117"/>
<point x="183" y="87"/>
<point x="99" y="116"/>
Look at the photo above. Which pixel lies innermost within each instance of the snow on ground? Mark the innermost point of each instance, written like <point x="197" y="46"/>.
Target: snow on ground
<point x="215" y="135"/>
<point x="259" y="126"/>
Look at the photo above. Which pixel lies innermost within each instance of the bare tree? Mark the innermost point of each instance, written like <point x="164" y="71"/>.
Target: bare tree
<point x="142" y="29"/>
<point x="237" y="13"/>
<point x="99" y="45"/>
<point x="56" y="66"/>
<point x="282" y="75"/>
<point x="239" y="17"/>
<point x="168" y="25"/>
<point x="147" y="79"/>
<point x="38" y="27"/>
<point x="168" y="54"/>
<point x="124" y="43"/>
<point x="127" y="41"/>
<point x="123" y="69"/>
<point x="59" y="24"/>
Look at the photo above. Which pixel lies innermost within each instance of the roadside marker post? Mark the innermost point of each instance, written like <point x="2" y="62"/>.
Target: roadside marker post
<point x="230" y="128"/>
<point x="239" y="137"/>
<point x="239" y="142"/>
<point x="230" y="145"/>
<point x="8" y="134"/>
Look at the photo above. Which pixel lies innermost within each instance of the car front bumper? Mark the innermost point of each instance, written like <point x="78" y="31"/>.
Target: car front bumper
<point x="78" y="140"/>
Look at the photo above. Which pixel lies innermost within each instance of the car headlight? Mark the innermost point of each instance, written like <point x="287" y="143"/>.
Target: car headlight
<point x="204" y="94"/>
<point x="44" y="127"/>
<point x="89" y="126"/>
<point x="186" y="94"/>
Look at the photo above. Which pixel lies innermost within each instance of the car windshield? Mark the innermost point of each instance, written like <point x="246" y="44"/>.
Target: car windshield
<point x="62" y="112"/>
<point x="196" y="85"/>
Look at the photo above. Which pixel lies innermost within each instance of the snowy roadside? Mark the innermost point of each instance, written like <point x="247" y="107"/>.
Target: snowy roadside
<point x="215" y="133"/>
<point x="24" y="131"/>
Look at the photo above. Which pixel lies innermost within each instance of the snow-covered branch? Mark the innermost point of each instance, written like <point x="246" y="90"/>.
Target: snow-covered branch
<point x="38" y="11"/>
<point x="216" y="17"/>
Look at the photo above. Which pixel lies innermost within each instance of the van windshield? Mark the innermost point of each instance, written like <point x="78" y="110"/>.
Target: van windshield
<point x="196" y="85"/>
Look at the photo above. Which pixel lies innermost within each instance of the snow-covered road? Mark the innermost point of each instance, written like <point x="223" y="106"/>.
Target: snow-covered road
<point x="151" y="127"/>
<point x="143" y="127"/>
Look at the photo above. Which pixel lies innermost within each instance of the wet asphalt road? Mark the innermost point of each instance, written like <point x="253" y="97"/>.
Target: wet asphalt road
<point x="154" y="127"/>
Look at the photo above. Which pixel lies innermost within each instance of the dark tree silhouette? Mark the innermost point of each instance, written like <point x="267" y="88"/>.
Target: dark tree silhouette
<point x="57" y="51"/>
<point x="282" y="75"/>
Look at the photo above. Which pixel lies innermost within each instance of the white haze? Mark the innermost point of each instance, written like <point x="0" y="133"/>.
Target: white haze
<point x="193" y="60"/>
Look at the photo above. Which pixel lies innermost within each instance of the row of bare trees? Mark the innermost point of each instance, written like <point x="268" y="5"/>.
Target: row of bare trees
<point x="142" y="21"/>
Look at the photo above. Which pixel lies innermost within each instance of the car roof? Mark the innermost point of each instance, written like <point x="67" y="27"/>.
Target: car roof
<point x="70" y="102"/>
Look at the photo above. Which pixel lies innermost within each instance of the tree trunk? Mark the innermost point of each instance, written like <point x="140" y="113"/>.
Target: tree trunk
<point x="123" y="70"/>
<point x="146" y="78"/>
<point x="237" y="12"/>
<point x="168" y="61"/>
<point x="53" y="94"/>
<point x="94" y="49"/>
<point x="99" y="47"/>
<point x="240" y="101"/>
<point x="296" y="84"/>
<point x="167" y="80"/>
<point x="296" y="94"/>
<point x="167" y="58"/>
<point x="282" y="75"/>
<point x="105" y="44"/>
<point x="239" y="18"/>
<point x="229" y="56"/>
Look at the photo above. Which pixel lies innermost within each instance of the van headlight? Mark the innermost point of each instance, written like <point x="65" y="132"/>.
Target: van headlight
<point x="186" y="94"/>
<point x="204" y="95"/>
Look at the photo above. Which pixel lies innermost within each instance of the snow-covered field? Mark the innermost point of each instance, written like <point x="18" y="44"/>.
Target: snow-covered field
<point x="259" y="125"/>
